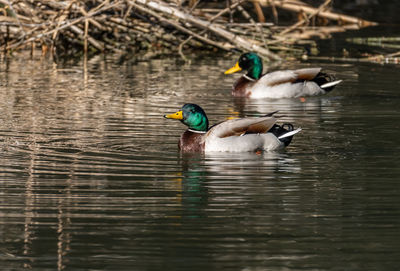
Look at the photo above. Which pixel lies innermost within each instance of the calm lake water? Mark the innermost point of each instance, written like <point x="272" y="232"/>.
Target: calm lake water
<point x="91" y="176"/>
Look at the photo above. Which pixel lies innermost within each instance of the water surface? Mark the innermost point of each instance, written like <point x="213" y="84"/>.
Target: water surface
<point x="91" y="176"/>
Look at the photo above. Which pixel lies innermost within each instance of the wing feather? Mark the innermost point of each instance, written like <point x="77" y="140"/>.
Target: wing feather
<point x="307" y="73"/>
<point x="288" y="76"/>
<point x="237" y="127"/>
<point x="277" y="77"/>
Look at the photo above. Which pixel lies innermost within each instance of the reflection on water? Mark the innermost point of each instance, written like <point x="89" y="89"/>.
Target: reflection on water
<point x="91" y="176"/>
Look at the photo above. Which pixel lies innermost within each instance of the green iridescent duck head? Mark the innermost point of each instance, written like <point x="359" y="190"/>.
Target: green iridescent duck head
<point x="192" y="116"/>
<point x="249" y="62"/>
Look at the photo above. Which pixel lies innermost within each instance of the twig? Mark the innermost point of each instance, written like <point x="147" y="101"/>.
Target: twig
<point x="260" y="14"/>
<point x="180" y="49"/>
<point x="85" y="46"/>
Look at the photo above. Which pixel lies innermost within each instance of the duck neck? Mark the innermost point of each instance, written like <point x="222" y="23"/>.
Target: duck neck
<point x="197" y="132"/>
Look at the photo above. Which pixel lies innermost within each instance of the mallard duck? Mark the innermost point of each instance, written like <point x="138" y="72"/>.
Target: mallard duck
<point x="278" y="84"/>
<point x="234" y="135"/>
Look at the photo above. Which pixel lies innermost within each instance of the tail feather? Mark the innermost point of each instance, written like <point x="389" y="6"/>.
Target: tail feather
<point x="331" y="84"/>
<point x="284" y="133"/>
<point x="326" y="81"/>
<point x="291" y="133"/>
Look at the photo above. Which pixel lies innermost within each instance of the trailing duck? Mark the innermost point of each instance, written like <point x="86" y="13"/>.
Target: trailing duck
<point x="278" y="84"/>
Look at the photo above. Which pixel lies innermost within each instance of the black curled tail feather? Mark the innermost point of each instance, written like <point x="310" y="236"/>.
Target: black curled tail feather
<point x="324" y="78"/>
<point x="279" y="130"/>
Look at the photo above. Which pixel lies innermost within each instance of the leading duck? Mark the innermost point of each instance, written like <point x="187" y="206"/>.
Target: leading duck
<point x="235" y="135"/>
<point x="278" y="84"/>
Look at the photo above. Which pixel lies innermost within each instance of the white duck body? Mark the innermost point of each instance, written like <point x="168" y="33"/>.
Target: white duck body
<point x="246" y="143"/>
<point x="282" y="84"/>
<point x="243" y="135"/>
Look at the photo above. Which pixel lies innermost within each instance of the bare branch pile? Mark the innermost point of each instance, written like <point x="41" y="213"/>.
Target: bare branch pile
<point x="168" y="26"/>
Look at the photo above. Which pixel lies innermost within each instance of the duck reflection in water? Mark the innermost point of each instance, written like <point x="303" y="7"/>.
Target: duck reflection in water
<point x="207" y="178"/>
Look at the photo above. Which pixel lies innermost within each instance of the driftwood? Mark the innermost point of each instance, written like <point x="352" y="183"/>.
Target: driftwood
<point x="165" y="26"/>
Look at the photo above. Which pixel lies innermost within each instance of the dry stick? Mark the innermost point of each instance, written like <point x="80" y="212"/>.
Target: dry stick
<point x="326" y="14"/>
<point x="247" y="25"/>
<point x="230" y="11"/>
<point x="181" y="28"/>
<point x="393" y="54"/>
<point x="260" y="14"/>
<point x="7" y="39"/>
<point x="232" y="38"/>
<point x="128" y="11"/>
<point x="82" y="33"/>
<point x="180" y="49"/>
<point x="194" y="6"/>
<point x="299" y="23"/>
<point x="85" y="44"/>
<point x="128" y="25"/>
<point x="91" y="20"/>
<point x="85" y="37"/>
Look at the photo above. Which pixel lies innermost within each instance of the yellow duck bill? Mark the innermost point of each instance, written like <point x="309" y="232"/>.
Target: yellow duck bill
<point x="177" y="116"/>
<point x="234" y="69"/>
